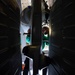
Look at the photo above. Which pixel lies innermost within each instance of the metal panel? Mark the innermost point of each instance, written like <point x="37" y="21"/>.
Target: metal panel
<point x="62" y="47"/>
<point x="10" y="56"/>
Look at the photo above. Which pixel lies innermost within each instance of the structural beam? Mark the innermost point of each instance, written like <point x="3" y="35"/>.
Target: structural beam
<point x="36" y="33"/>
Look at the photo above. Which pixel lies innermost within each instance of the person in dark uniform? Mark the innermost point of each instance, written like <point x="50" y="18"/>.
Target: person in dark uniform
<point x="26" y="69"/>
<point x="45" y="31"/>
<point x="26" y="62"/>
<point x="45" y="71"/>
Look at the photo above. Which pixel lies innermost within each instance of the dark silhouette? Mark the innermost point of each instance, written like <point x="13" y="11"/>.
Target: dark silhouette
<point x="46" y="11"/>
<point x="26" y="69"/>
<point x="44" y="60"/>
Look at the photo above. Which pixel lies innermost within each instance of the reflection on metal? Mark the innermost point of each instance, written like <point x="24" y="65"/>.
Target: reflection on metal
<point x="25" y="3"/>
<point x="26" y="15"/>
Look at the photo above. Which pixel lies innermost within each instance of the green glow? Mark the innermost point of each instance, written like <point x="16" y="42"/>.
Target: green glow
<point x="44" y="42"/>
